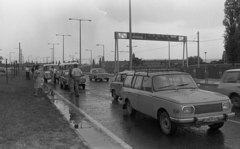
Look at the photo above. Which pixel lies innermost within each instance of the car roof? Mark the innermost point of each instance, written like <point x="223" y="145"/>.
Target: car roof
<point x="125" y="72"/>
<point x="157" y="73"/>
<point x="229" y="70"/>
<point x="50" y="65"/>
<point x="64" y="64"/>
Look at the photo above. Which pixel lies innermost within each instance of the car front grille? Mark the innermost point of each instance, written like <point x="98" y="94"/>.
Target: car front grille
<point x="201" y="109"/>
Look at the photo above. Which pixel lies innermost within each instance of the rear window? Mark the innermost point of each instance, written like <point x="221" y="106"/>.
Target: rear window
<point x="231" y="77"/>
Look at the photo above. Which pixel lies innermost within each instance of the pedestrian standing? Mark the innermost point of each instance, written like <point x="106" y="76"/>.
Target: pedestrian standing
<point x="71" y="79"/>
<point x="37" y="80"/>
<point x="27" y="73"/>
<point x="77" y="73"/>
<point x="32" y="70"/>
<point x="52" y="75"/>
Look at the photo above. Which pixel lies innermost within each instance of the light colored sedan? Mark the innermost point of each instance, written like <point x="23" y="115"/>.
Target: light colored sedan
<point x="174" y="99"/>
<point x="98" y="74"/>
<point x="230" y="85"/>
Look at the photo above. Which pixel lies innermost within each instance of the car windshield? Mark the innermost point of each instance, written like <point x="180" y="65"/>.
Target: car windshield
<point x="98" y="71"/>
<point x="170" y="82"/>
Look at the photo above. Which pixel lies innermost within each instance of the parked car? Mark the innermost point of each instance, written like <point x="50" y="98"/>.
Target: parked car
<point x="116" y="83"/>
<point x="98" y="74"/>
<point x="64" y="77"/>
<point x="173" y="98"/>
<point x="46" y="71"/>
<point x="229" y="85"/>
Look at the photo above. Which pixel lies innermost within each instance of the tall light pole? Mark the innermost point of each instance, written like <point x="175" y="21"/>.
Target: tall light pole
<point x="80" y="20"/>
<point x="63" y="43"/>
<point x="10" y="56"/>
<point x="103" y="50"/>
<point x="205" y="61"/>
<point x="91" y="56"/>
<point x="53" y="48"/>
<point x="130" y="37"/>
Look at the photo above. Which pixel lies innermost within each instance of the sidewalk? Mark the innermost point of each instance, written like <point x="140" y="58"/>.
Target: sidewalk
<point x="32" y="122"/>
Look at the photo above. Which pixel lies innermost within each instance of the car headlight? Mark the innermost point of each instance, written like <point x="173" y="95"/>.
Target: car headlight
<point x="226" y="105"/>
<point x="188" y="110"/>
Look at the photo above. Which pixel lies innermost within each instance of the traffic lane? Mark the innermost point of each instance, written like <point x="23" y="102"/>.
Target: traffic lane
<point x="142" y="131"/>
<point x="215" y="89"/>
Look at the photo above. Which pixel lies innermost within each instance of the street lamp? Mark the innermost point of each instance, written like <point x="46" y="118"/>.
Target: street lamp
<point x="80" y="20"/>
<point x="91" y="56"/>
<point x="130" y="37"/>
<point x="103" y="50"/>
<point x="53" y="49"/>
<point x="10" y="56"/>
<point x="205" y="61"/>
<point x="63" y="43"/>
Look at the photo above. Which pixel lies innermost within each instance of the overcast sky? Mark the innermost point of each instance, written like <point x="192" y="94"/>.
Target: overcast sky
<point x="35" y="23"/>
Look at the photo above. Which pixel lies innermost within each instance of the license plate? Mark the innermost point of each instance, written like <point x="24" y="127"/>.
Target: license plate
<point x="210" y="119"/>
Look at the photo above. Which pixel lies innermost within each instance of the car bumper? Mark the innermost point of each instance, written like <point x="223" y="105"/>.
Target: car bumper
<point x="203" y="120"/>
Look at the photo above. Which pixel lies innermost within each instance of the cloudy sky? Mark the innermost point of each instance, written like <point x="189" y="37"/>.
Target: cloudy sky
<point x="35" y="23"/>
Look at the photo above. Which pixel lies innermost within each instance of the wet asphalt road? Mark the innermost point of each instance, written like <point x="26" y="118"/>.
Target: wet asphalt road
<point x="143" y="132"/>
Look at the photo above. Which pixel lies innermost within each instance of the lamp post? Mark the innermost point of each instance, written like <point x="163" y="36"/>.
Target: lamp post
<point x="205" y="61"/>
<point x="10" y="56"/>
<point x="103" y="50"/>
<point x="130" y="37"/>
<point x="80" y="20"/>
<point x="91" y="56"/>
<point x="63" y="43"/>
<point x="53" y="49"/>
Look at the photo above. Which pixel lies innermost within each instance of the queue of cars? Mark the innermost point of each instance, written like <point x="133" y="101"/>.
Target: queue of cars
<point x="171" y="97"/>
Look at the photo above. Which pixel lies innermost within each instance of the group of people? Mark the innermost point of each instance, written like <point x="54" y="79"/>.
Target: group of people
<point x="35" y="76"/>
<point x="74" y="78"/>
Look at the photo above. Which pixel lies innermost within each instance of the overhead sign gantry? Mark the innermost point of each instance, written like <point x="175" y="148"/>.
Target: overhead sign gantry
<point x="152" y="37"/>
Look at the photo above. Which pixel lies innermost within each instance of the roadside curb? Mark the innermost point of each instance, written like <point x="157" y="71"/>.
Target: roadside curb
<point x="51" y="92"/>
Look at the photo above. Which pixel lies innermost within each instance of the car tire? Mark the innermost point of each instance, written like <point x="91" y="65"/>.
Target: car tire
<point x="83" y="86"/>
<point x="130" y="109"/>
<point x="61" y="86"/>
<point x="114" y="95"/>
<point x="235" y="99"/>
<point x="107" y="79"/>
<point x="95" y="80"/>
<point x="90" y="79"/>
<point x="216" y="126"/>
<point x="45" y="80"/>
<point x="167" y="126"/>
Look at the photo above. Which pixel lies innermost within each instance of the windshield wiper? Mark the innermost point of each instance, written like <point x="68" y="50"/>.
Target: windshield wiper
<point x="182" y="84"/>
<point x="164" y="86"/>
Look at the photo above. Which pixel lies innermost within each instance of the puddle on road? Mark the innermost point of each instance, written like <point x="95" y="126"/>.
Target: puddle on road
<point x="87" y="131"/>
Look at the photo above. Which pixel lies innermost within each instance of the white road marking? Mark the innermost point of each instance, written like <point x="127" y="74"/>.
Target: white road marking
<point x="105" y="130"/>
<point x="233" y="121"/>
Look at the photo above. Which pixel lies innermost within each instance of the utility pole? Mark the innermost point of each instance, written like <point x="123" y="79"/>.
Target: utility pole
<point x="198" y="49"/>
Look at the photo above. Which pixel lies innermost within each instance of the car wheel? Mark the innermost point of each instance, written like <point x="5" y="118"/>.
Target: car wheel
<point x="235" y="99"/>
<point x="107" y="79"/>
<point x="216" y="126"/>
<point x="83" y="86"/>
<point x="45" y="80"/>
<point x="166" y="125"/>
<point x="61" y="86"/>
<point x="90" y="79"/>
<point x="114" y="95"/>
<point x="95" y="80"/>
<point x="130" y="109"/>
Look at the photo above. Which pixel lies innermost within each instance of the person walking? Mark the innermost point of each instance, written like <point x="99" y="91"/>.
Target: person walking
<point x="71" y="79"/>
<point x="52" y="74"/>
<point x="27" y="73"/>
<point x="37" y="80"/>
<point x="32" y="70"/>
<point x="76" y="73"/>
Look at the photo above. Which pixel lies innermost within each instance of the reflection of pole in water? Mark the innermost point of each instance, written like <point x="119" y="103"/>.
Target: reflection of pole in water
<point x="74" y="117"/>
